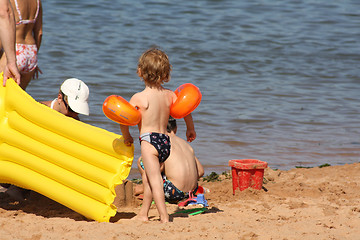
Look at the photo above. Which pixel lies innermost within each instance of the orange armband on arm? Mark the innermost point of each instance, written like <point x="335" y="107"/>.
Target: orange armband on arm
<point x="188" y="98"/>
<point x="121" y="111"/>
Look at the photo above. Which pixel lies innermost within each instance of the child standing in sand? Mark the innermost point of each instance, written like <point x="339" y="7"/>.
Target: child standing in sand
<point x="154" y="105"/>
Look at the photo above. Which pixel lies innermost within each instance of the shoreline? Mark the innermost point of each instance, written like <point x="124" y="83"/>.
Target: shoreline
<point x="219" y="169"/>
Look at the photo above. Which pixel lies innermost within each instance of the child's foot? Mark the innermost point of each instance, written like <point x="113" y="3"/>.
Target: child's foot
<point x="140" y="218"/>
<point x="164" y="219"/>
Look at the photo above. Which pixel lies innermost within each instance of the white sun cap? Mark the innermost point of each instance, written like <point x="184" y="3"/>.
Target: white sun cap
<point x="77" y="95"/>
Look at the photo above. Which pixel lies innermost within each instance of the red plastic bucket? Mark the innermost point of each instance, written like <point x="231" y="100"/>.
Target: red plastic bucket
<point x="247" y="173"/>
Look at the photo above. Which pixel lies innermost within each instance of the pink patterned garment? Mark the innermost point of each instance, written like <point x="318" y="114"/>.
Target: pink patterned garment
<point x="26" y="57"/>
<point x="22" y="21"/>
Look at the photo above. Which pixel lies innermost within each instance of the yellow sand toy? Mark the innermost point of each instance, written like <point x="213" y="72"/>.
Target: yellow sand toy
<point x="71" y="162"/>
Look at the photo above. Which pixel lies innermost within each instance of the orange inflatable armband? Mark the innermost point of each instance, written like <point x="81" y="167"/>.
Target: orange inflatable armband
<point x="188" y="98"/>
<point x="121" y="111"/>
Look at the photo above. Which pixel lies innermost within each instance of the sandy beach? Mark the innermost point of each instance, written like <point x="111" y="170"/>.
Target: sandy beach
<point x="314" y="203"/>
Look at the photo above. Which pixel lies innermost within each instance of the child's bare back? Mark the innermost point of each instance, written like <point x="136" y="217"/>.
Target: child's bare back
<point x="154" y="105"/>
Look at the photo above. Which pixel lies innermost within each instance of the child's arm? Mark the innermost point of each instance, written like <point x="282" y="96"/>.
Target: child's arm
<point x="128" y="140"/>
<point x="190" y="128"/>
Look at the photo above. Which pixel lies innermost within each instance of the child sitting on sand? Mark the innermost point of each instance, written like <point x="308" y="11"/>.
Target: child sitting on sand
<point x="154" y="105"/>
<point x="181" y="171"/>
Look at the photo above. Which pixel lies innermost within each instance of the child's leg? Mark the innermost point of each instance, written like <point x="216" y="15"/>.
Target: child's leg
<point x="147" y="200"/>
<point x="147" y="195"/>
<point x="152" y="169"/>
<point x="139" y="189"/>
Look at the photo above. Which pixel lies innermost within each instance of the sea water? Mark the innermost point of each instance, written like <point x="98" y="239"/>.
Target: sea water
<point x="280" y="79"/>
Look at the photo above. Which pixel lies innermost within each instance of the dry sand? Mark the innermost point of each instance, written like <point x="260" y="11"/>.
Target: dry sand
<point x="316" y="203"/>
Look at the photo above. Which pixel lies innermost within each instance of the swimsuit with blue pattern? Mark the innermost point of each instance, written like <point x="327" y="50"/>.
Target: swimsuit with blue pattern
<point x="160" y="141"/>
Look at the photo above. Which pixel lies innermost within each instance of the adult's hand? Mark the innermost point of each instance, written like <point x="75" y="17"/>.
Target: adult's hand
<point x="11" y="71"/>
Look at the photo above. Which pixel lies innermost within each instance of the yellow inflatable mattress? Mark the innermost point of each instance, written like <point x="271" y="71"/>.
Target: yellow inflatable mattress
<point x="71" y="162"/>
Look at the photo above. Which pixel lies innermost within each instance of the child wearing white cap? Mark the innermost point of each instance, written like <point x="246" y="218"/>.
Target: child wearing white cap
<point x="72" y="99"/>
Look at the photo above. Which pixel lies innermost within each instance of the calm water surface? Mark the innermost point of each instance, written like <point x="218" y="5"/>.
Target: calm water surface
<point x="280" y="79"/>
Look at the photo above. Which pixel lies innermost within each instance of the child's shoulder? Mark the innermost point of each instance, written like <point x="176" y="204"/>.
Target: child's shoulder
<point x="149" y="93"/>
<point x="168" y="91"/>
<point x="137" y="98"/>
